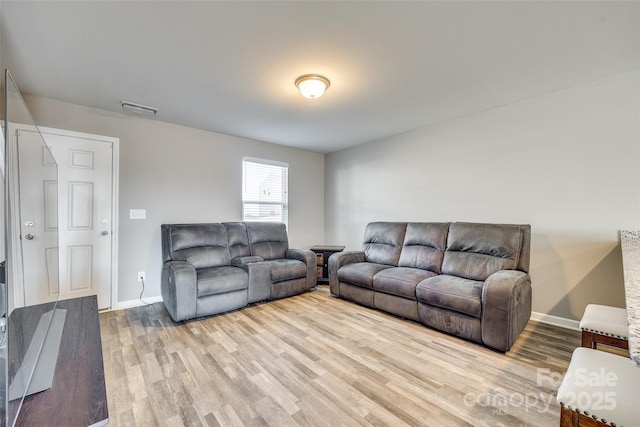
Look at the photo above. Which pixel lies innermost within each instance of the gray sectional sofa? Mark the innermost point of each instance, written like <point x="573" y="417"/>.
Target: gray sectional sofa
<point x="466" y="279"/>
<point x="218" y="267"/>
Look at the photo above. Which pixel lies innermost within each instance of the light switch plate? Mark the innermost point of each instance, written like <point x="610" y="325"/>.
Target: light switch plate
<point x="137" y="214"/>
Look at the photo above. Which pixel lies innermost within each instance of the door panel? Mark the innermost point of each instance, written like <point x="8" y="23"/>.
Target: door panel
<point x="80" y="206"/>
<point x="52" y="261"/>
<point x="51" y="206"/>
<point x="80" y="265"/>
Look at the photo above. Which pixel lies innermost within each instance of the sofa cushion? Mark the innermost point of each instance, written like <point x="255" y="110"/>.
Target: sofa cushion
<point x="475" y="251"/>
<point x="185" y="236"/>
<point x="360" y="273"/>
<point x="383" y="241"/>
<point x="219" y="280"/>
<point x="400" y="281"/>
<point x="287" y="269"/>
<point x="238" y="239"/>
<point x="267" y="239"/>
<point x="424" y="245"/>
<point x="201" y="245"/>
<point x="452" y="293"/>
<point x="204" y="257"/>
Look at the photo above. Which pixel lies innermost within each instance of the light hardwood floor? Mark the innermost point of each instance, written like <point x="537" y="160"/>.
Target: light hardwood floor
<point x="316" y="360"/>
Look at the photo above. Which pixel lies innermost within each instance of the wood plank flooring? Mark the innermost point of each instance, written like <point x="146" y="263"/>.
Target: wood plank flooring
<point x="316" y="360"/>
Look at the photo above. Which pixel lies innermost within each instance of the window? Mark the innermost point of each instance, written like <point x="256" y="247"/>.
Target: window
<point x="265" y="190"/>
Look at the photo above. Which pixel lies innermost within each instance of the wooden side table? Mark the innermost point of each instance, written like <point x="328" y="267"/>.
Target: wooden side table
<point x="323" y="253"/>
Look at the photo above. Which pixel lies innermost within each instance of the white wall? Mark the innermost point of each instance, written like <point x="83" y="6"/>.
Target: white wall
<point x="567" y="163"/>
<point x="182" y="175"/>
<point x="2" y="89"/>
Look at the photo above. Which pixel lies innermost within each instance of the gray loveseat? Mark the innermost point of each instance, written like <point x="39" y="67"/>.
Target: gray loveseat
<point x="466" y="279"/>
<point x="218" y="267"/>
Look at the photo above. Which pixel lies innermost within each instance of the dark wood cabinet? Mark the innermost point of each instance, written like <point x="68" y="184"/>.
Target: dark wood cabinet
<point x="78" y="395"/>
<point x="323" y="253"/>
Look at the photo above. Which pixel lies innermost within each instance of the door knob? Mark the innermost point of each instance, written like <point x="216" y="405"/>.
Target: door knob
<point x="29" y="236"/>
<point x="104" y="233"/>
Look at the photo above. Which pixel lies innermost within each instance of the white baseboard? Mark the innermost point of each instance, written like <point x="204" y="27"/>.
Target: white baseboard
<point x="556" y="321"/>
<point x="122" y="305"/>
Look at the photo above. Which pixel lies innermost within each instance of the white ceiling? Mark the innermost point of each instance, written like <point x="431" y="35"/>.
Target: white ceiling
<point x="230" y="66"/>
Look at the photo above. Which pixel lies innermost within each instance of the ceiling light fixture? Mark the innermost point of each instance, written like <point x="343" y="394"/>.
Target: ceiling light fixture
<point x="132" y="107"/>
<point x="312" y="85"/>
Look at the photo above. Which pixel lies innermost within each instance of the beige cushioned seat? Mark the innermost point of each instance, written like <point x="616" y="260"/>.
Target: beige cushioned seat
<point x="605" y="320"/>
<point x="603" y="386"/>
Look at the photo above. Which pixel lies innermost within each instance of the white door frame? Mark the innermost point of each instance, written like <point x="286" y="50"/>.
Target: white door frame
<point x="19" y="299"/>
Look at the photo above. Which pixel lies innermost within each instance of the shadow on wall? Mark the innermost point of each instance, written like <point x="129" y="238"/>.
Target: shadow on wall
<point x="569" y="272"/>
<point x="604" y="284"/>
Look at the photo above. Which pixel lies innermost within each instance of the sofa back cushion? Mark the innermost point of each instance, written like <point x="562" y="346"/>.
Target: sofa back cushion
<point x="238" y="239"/>
<point x="424" y="246"/>
<point x="383" y="242"/>
<point x="525" y="251"/>
<point x="267" y="239"/>
<point x="475" y="251"/>
<point x="202" y="245"/>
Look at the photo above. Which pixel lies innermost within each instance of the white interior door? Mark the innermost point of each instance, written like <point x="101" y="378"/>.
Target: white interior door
<point x="84" y="207"/>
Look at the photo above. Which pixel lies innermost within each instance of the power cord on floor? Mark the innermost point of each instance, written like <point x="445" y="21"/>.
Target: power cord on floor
<point x="142" y="291"/>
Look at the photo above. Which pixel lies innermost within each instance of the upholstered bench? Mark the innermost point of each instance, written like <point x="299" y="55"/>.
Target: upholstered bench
<point x="598" y="389"/>
<point x="602" y="324"/>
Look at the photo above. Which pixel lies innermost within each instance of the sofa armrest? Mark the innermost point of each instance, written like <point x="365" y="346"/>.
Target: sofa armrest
<point x="336" y="261"/>
<point x="259" y="281"/>
<point x="309" y="258"/>
<point x="506" y="308"/>
<point x="242" y="261"/>
<point x="179" y="289"/>
<point x="259" y="276"/>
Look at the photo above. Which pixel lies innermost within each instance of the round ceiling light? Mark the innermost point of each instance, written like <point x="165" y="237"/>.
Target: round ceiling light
<point x="312" y="85"/>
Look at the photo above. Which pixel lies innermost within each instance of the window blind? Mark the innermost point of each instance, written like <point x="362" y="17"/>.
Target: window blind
<point x="265" y="191"/>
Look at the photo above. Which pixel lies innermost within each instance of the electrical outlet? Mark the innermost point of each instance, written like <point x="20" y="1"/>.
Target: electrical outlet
<point x="141" y="276"/>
